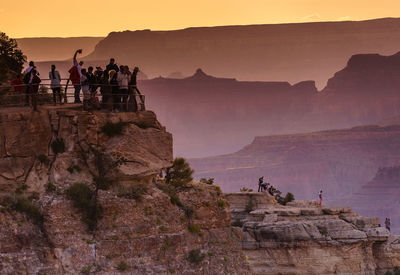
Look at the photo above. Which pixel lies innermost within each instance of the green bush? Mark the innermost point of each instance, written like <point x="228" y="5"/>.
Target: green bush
<point x="288" y="198"/>
<point x="58" y="146"/>
<point x="84" y="199"/>
<point x="142" y="124"/>
<point x="323" y="230"/>
<point x="24" y="205"/>
<point x="114" y="129"/>
<point x="50" y="187"/>
<point x="221" y="203"/>
<point x="209" y="181"/>
<point x="189" y="211"/>
<point x="102" y="183"/>
<point x="194" y="228"/>
<point x="123" y="266"/>
<point x="175" y="200"/>
<point x="43" y="159"/>
<point x="73" y="168"/>
<point x="180" y="173"/>
<point x="195" y="256"/>
<point x="135" y="191"/>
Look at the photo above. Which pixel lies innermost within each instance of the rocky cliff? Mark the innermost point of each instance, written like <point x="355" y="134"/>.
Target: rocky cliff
<point x="78" y="196"/>
<point x="303" y="238"/>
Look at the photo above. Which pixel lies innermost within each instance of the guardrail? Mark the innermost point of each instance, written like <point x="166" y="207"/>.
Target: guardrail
<point x="16" y="95"/>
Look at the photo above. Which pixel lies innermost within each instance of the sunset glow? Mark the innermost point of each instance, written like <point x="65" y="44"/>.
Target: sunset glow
<point x="44" y="18"/>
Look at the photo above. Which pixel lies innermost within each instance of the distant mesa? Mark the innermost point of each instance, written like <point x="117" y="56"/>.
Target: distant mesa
<point x="367" y="72"/>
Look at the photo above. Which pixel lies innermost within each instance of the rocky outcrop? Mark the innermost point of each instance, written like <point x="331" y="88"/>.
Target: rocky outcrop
<point x="142" y="226"/>
<point x="27" y="139"/>
<point x="303" y="238"/>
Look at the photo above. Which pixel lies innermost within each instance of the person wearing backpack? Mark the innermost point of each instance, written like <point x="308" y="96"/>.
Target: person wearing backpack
<point x="28" y="76"/>
<point x="34" y="89"/>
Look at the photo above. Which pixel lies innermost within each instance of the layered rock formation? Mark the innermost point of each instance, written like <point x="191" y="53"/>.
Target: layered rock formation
<point x="144" y="227"/>
<point x="379" y="197"/>
<point x="337" y="161"/>
<point x="277" y="52"/>
<point x="303" y="238"/>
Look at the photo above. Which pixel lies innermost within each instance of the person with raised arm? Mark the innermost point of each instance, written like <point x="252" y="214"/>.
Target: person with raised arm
<point x="75" y="74"/>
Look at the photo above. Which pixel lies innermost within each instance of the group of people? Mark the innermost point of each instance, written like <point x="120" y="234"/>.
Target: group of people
<point x="117" y="85"/>
<point x="265" y="186"/>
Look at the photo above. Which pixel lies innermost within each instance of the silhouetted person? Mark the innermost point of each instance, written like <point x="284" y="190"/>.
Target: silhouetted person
<point x="28" y="80"/>
<point x="387" y="223"/>
<point x="75" y="76"/>
<point x="34" y="88"/>
<point x="260" y="181"/>
<point x="134" y="90"/>
<point x="85" y="90"/>
<point x="111" y="66"/>
<point x="55" y="84"/>
<point x="123" y="82"/>
<point x="116" y="98"/>
<point x="17" y="84"/>
<point x="320" y="197"/>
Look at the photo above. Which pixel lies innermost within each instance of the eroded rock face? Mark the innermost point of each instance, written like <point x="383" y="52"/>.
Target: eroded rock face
<point x="139" y="232"/>
<point x="25" y="136"/>
<point x="303" y="238"/>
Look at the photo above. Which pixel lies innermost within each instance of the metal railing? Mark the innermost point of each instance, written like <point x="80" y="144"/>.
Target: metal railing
<point x="17" y="95"/>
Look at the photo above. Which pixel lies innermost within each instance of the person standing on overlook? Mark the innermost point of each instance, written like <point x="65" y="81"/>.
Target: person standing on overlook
<point x="134" y="89"/>
<point x="34" y="88"/>
<point x="28" y="76"/>
<point x="123" y="81"/>
<point x="55" y="84"/>
<point x="75" y="74"/>
<point x="260" y="181"/>
<point x="111" y="66"/>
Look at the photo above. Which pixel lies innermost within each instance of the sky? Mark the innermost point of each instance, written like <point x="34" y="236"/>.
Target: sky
<point x="61" y="18"/>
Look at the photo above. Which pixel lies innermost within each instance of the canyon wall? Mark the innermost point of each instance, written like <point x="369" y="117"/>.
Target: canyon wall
<point x="121" y="220"/>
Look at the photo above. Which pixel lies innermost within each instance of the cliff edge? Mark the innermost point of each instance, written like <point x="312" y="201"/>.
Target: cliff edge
<point x="304" y="238"/>
<point x="79" y="196"/>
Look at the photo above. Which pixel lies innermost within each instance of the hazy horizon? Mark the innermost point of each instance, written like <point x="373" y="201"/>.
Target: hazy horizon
<point x="205" y="26"/>
<point x="93" y="21"/>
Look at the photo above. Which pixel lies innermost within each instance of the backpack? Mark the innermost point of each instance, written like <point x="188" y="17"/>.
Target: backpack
<point x="27" y="77"/>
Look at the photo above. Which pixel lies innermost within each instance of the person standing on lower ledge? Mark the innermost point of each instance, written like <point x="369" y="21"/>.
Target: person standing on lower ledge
<point x="320" y="197"/>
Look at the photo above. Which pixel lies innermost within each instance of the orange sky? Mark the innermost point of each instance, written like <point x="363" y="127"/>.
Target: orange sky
<point x="97" y="18"/>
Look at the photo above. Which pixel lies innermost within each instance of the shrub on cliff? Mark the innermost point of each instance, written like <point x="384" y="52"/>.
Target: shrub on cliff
<point x="84" y="198"/>
<point x="209" y="181"/>
<point x="195" y="256"/>
<point x="58" y="146"/>
<point x="114" y="129"/>
<point x="179" y="174"/>
<point x="24" y="205"/>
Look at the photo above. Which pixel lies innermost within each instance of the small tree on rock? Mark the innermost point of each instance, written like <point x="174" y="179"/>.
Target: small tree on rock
<point x="179" y="173"/>
<point x="11" y="57"/>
